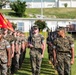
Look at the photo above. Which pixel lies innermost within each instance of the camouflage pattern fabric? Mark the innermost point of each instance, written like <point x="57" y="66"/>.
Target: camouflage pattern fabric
<point x="63" y="64"/>
<point x="50" y="47"/>
<point x="17" y="56"/>
<point x="9" y="38"/>
<point x="36" y="59"/>
<point x="3" y="56"/>
<point x="35" y="53"/>
<point x="50" y="38"/>
<point x="37" y="40"/>
<point x="63" y="49"/>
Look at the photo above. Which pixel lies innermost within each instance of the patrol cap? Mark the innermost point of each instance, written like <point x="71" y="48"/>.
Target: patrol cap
<point x="35" y="27"/>
<point x="60" y="28"/>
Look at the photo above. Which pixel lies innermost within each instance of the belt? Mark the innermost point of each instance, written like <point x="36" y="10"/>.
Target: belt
<point x="63" y="51"/>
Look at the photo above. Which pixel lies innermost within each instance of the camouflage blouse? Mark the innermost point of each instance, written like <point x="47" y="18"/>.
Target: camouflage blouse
<point x="63" y="44"/>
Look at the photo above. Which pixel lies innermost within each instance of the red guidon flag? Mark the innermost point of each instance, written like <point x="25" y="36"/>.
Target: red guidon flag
<point x="10" y="26"/>
<point x="4" y="23"/>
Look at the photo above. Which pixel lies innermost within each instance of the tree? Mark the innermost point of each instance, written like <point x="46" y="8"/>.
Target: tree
<point x="41" y="24"/>
<point x="3" y="2"/>
<point x="19" y="8"/>
<point x="65" y="5"/>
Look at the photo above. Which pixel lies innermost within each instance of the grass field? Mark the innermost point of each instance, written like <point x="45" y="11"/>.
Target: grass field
<point x="47" y="12"/>
<point x="46" y="68"/>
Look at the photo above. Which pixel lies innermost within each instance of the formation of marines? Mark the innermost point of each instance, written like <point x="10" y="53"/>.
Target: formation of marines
<point x="13" y="49"/>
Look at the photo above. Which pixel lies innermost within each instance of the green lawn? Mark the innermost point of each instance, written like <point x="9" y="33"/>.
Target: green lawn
<point x="46" y="68"/>
<point x="47" y="12"/>
<point x="55" y="12"/>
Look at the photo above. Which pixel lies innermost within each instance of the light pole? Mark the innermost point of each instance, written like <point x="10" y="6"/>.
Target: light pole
<point x="41" y="8"/>
<point x="32" y="3"/>
<point x="70" y="3"/>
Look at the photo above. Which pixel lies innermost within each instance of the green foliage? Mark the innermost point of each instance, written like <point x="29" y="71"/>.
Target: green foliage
<point x="19" y="8"/>
<point x="41" y="24"/>
<point x="65" y="5"/>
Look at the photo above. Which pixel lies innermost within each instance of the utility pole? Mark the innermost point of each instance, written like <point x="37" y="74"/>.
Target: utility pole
<point x="42" y="9"/>
<point x="70" y="3"/>
<point x="32" y="3"/>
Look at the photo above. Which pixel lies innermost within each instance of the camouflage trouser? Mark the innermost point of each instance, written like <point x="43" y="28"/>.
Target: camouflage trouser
<point x="21" y="58"/>
<point x="24" y="54"/>
<point x="50" y="53"/>
<point x="17" y="61"/>
<point x="63" y="66"/>
<point x="3" y="68"/>
<point x="36" y="59"/>
<point x="14" y="62"/>
<point x="51" y="56"/>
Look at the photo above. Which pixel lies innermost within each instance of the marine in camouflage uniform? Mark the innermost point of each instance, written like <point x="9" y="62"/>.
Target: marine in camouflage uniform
<point x="63" y="52"/>
<point x="18" y="49"/>
<point x="8" y="36"/>
<point x="14" y="62"/>
<point x="24" y="45"/>
<point x="5" y="55"/>
<point x="50" y="38"/>
<point x="37" y="46"/>
<point x="48" y="42"/>
<point x="23" y="48"/>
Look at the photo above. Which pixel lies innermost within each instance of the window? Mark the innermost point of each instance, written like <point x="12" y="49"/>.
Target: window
<point x="20" y="26"/>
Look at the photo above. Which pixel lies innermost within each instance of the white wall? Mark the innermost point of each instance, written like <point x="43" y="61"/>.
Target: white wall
<point x="51" y="23"/>
<point x="49" y="4"/>
<point x="57" y="3"/>
<point x="69" y="3"/>
<point x="73" y="4"/>
<point x="61" y="3"/>
<point x="39" y="4"/>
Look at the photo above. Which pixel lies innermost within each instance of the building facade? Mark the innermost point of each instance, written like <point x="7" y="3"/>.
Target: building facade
<point x="70" y="3"/>
<point x="24" y="24"/>
<point x="45" y="3"/>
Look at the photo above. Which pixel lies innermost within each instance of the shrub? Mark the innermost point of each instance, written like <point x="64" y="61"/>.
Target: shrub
<point x="65" y="5"/>
<point x="41" y="24"/>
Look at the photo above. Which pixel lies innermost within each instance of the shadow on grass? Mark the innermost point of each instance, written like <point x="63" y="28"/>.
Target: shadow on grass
<point x="13" y="14"/>
<point x="46" y="68"/>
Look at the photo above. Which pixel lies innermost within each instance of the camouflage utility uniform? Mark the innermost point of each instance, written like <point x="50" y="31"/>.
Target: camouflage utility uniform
<point x="18" y="49"/>
<point x="3" y="56"/>
<point x="63" y="48"/>
<point x="50" y="38"/>
<point x="36" y="52"/>
<point x="23" y="49"/>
